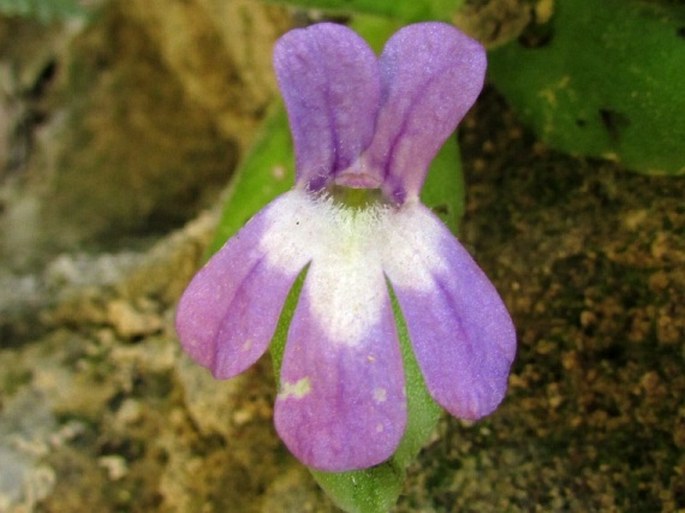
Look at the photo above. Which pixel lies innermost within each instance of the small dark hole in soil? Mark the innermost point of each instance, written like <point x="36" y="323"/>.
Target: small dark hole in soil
<point x="43" y="80"/>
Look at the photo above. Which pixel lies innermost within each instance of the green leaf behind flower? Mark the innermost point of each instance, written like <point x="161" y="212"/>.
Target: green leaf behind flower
<point x="407" y="11"/>
<point x="43" y="10"/>
<point x="267" y="171"/>
<point x="603" y="79"/>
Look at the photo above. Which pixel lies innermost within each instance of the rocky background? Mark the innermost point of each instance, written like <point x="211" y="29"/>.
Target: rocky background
<point x="117" y="137"/>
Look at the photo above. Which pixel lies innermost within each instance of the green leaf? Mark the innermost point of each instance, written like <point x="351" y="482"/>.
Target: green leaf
<point x="407" y="11"/>
<point x="375" y="30"/>
<point x="43" y="10"/>
<point x="603" y="79"/>
<point x="267" y="171"/>
<point x="443" y="190"/>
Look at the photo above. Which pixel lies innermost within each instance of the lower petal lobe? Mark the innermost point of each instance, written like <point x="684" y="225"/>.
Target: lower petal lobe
<point x="228" y="314"/>
<point x="461" y="332"/>
<point x="342" y="403"/>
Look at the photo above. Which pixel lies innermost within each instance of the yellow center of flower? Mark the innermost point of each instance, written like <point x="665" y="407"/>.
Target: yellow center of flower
<point x="356" y="198"/>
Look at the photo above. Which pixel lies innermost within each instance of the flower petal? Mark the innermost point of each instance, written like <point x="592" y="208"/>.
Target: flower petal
<point x="228" y="314"/>
<point x="461" y="332"/>
<point x="342" y="403"/>
<point x="329" y="80"/>
<point x="431" y="75"/>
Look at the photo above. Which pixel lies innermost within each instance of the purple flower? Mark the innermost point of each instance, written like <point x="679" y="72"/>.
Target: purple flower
<point x="358" y="122"/>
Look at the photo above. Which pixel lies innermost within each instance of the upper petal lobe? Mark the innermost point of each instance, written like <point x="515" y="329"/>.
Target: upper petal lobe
<point x="431" y="75"/>
<point x="329" y="79"/>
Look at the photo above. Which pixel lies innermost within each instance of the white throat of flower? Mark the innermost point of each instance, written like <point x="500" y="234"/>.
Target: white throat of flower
<point x="350" y="250"/>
